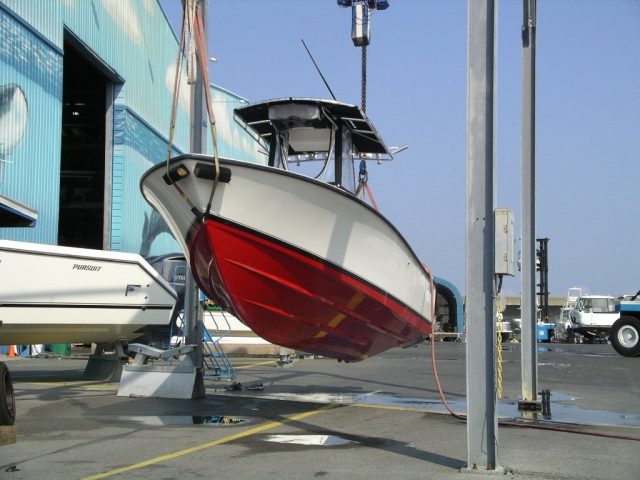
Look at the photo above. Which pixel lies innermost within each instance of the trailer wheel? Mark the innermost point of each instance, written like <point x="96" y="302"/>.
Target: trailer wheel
<point x="625" y="336"/>
<point x="7" y="398"/>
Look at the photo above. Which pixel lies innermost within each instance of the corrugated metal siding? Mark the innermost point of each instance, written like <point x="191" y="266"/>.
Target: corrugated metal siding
<point x="146" y="234"/>
<point x="117" y="194"/>
<point x="132" y="39"/>
<point x="43" y="16"/>
<point x="32" y="65"/>
<point x="233" y="140"/>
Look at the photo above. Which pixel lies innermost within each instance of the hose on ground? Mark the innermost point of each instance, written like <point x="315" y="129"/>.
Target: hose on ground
<point x="517" y="424"/>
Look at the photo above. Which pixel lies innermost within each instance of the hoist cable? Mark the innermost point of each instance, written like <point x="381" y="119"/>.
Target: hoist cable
<point x="176" y="89"/>
<point x="201" y="54"/>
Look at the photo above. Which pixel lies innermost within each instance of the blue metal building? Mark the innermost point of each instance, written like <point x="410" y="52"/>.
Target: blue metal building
<point x="85" y="100"/>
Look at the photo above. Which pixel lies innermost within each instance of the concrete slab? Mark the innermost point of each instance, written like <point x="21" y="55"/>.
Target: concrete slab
<point x="321" y="418"/>
<point x="165" y="381"/>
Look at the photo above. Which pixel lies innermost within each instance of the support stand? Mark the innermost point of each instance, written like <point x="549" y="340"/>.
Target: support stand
<point x="104" y="366"/>
<point x="284" y="359"/>
<point x="160" y="380"/>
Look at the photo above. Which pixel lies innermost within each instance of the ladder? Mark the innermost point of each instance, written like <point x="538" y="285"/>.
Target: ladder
<point x="214" y="358"/>
<point x="215" y="361"/>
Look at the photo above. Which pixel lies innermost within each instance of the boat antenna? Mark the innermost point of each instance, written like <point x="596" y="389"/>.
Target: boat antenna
<point x="318" y="68"/>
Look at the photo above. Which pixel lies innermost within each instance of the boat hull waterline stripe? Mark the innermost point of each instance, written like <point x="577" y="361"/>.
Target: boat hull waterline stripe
<point x="86" y="305"/>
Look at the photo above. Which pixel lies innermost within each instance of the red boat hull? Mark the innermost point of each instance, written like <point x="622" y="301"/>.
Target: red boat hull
<point x="293" y="299"/>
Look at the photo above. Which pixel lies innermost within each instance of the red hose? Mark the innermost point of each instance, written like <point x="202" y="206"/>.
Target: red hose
<point x="511" y="423"/>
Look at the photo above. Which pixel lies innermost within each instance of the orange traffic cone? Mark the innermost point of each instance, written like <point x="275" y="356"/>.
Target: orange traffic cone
<point x="12" y="351"/>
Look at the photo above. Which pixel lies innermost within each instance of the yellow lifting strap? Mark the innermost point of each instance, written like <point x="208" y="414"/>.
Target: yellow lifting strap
<point x="498" y="347"/>
<point x="192" y="34"/>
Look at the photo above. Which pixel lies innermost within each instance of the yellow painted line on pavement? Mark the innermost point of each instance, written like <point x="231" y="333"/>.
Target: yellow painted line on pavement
<point x="387" y="407"/>
<point x="204" y="446"/>
<point x="254" y="365"/>
<point x="61" y="384"/>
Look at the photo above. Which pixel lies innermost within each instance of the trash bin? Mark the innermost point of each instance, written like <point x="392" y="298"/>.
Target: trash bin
<point x="62" y="349"/>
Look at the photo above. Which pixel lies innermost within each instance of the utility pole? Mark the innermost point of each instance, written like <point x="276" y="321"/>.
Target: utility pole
<point x="482" y="424"/>
<point x="529" y="354"/>
<point x="192" y="307"/>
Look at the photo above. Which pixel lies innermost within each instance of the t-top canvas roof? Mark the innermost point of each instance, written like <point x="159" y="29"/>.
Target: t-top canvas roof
<point x="309" y="123"/>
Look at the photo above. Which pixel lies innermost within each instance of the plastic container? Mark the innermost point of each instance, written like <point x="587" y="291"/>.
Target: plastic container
<point x="62" y="349"/>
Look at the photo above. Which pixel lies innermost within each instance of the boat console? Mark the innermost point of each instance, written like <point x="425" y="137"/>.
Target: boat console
<point x="299" y="130"/>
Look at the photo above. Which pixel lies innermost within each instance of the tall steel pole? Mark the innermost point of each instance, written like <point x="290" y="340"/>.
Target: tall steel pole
<point x="482" y="425"/>
<point x="528" y="190"/>
<point x="192" y="307"/>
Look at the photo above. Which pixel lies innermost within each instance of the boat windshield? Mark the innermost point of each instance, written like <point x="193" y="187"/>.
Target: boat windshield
<point x="324" y="170"/>
<point x="321" y="165"/>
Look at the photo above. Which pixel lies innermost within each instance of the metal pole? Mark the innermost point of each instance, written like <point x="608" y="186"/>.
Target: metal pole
<point x="482" y="425"/>
<point x="528" y="304"/>
<point x="192" y="307"/>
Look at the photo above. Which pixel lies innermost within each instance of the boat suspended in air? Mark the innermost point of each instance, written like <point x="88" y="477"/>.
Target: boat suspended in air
<point x="302" y="261"/>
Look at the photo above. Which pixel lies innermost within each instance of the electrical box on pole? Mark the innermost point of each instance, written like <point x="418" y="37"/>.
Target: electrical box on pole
<point x="504" y="254"/>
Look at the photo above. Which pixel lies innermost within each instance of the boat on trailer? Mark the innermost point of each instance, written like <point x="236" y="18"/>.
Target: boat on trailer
<point x="302" y="261"/>
<point x="54" y="294"/>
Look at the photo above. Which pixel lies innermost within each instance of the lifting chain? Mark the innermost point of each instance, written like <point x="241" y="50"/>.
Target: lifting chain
<point x="363" y="84"/>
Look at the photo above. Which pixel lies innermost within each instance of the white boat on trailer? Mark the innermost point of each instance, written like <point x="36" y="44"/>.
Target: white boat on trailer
<point x="54" y="294"/>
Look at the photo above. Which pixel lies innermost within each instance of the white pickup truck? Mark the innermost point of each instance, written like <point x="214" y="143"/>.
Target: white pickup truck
<point x="592" y="317"/>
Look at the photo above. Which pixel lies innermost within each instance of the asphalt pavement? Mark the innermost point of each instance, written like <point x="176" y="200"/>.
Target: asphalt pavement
<point x="317" y="418"/>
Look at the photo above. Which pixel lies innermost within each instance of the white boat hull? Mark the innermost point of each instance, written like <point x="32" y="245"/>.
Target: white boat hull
<point x="312" y="216"/>
<point x="52" y="294"/>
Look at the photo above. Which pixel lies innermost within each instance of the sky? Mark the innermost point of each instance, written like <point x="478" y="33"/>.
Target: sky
<point x="587" y="117"/>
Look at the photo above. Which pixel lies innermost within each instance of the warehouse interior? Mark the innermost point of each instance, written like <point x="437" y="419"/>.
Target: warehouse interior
<point x="82" y="163"/>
